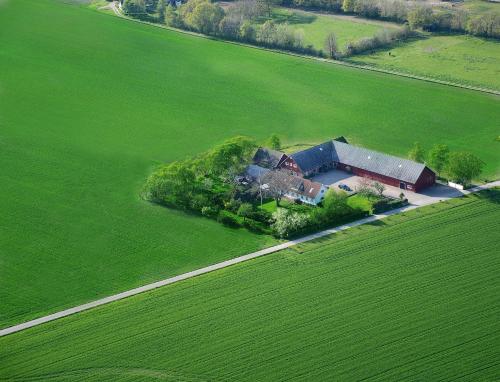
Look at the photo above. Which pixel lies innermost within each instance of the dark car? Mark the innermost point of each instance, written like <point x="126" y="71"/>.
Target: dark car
<point x="345" y="187"/>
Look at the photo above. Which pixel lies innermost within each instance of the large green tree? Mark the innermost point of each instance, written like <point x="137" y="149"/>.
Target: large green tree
<point x="438" y="157"/>
<point x="463" y="167"/>
<point x="417" y="153"/>
<point x="161" y="8"/>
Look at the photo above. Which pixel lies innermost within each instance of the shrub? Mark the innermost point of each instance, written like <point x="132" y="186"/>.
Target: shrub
<point x="232" y="205"/>
<point x="209" y="211"/>
<point x="288" y="223"/>
<point x="254" y="226"/>
<point x="261" y="216"/>
<point x="228" y="219"/>
<point x="387" y="204"/>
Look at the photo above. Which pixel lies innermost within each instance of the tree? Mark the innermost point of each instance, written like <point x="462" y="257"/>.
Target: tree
<point x="247" y="31"/>
<point x="277" y="184"/>
<point x="266" y="7"/>
<point x="438" y="157"/>
<point x="417" y="153"/>
<point x="245" y="210"/>
<point x="161" y="8"/>
<point x="229" y="27"/>
<point x="287" y="223"/>
<point x="463" y="167"/>
<point x="134" y="7"/>
<point x="275" y="142"/>
<point x="420" y="16"/>
<point x="231" y="156"/>
<point x="172" y="18"/>
<point x="348" y="6"/>
<point x="330" y="45"/>
<point x="267" y="33"/>
<point x="364" y="188"/>
<point x="206" y="17"/>
<point x="335" y="203"/>
<point x="379" y="187"/>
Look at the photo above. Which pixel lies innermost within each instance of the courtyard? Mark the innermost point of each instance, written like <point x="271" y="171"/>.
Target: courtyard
<point x="438" y="192"/>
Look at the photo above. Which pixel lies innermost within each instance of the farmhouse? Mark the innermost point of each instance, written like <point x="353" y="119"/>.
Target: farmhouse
<point x="388" y="169"/>
<point x="267" y="158"/>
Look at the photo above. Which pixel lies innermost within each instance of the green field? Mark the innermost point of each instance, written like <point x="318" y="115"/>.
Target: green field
<point x="90" y="103"/>
<point x="457" y="58"/>
<point x="316" y="26"/>
<point x="481" y="7"/>
<point x="411" y="298"/>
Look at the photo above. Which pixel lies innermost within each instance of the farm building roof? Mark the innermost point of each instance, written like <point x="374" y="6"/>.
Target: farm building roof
<point x="379" y="163"/>
<point x="255" y="171"/>
<point x="268" y="158"/>
<point x="369" y="160"/>
<point x="295" y="184"/>
<point x="314" y="157"/>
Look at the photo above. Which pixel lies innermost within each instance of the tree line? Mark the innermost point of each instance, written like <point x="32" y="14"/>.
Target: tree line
<point x="239" y="22"/>
<point x="460" y="167"/>
<point x="414" y="14"/>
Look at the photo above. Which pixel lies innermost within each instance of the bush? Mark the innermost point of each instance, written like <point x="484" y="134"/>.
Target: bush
<point x="261" y="216"/>
<point x="228" y="219"/>
<point x="232" y="205"/>
<point x="209" y="211"/>
<point x="254" y="226"/>
<point x="288" y="223"/>
<point x="387" y="204"/>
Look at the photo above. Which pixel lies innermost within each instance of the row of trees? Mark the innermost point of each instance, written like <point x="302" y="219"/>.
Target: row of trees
<point x="460" y="167"/>
<point x="240" y="22"/>
<point x="416" y="15"/>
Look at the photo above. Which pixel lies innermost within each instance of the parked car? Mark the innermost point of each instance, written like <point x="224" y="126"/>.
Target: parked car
<point x="345" y="187"/>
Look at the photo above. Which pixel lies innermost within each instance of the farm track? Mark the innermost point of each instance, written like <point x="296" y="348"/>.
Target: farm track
<point x="118" y="13"/>
<point x="221" y="265"/>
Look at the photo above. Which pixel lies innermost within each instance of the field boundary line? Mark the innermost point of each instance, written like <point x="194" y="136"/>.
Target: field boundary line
<point x="221" y="265"/>
<point x="314" y="58"/>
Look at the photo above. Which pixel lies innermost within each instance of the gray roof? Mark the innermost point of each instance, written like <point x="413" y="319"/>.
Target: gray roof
<point x="383" y="164"/>
<point x="379" y="163"/>
<point x="255" y="171"/>
<point x="267" y="158"/>
<point x="314" y="157"/>
<point x="295" y="184"/>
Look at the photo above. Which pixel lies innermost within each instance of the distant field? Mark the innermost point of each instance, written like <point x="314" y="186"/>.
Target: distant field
<point x="480" y="7"/>
<point x="457" y="58"/>
<point x="412" y="298"/>
<point x="316" y="26"/>
<point x="90" y="103"/>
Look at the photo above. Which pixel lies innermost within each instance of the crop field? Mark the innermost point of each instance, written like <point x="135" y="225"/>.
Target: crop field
<point x="90" y="103"/>
<point x="414" y="297"/>
<point x="461" y="59"/>
<point x="316" y="26"/>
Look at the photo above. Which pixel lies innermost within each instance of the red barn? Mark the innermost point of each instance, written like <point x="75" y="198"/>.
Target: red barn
<point x="388" y="169"/>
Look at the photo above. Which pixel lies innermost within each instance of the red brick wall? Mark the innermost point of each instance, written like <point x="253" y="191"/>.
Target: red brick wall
<point x="427" y="178"/>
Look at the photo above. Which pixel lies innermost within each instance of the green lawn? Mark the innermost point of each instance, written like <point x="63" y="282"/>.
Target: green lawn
<point x="360" y="202"/>
<point x="411" y="298"/>
<point x="90" y="103"/>
<point x="462" y="59"/>
<point x="316" y="26"/>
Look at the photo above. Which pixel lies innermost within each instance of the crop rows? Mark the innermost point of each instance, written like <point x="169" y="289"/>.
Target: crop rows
<point x="415" y="298"/>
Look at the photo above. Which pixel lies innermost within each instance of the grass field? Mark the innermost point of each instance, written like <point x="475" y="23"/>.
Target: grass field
<point x="481" y="7"/>
<point x="462" y="59"/>
<point x="414" y="297"/>
<point x="316" y="26"/>
<point x="89" y="103"/>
